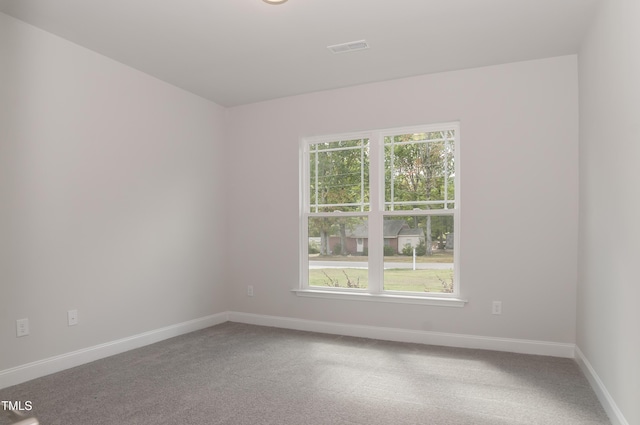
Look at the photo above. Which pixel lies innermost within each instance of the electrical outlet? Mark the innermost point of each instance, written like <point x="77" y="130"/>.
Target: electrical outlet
<point x="22" y="327"/>
<point x="496" y="307"/>
<point x="250" y="290"/>
<point x="72" y="317"/>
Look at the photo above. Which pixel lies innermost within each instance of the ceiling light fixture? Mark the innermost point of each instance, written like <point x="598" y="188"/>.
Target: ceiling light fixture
<point x="274" y="1"/>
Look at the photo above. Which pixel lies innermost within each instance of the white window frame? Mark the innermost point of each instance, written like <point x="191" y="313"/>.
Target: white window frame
<point x="375" y="215"/>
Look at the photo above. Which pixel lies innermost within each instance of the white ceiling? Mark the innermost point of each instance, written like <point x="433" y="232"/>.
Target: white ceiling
<point x="235" y="52"/>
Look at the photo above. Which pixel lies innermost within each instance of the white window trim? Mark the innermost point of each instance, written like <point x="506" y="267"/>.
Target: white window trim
<point x="375" y="216"/>
<point x="407" y="298"/>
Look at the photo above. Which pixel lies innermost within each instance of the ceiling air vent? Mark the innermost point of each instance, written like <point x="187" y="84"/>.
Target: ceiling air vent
<point x="351" y="46"/>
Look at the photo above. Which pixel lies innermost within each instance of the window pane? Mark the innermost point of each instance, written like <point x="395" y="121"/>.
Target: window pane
<point x="419" y="170"/>
<point x="338" y="249"/>
<point x="339" y="176"/>
<point x="431" y="237"/>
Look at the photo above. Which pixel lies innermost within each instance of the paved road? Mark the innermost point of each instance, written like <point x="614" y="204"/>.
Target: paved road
<point x="387" y="265"/>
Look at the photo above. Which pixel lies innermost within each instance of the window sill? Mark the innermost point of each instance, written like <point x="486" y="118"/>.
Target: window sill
<point x="386" y="298"/>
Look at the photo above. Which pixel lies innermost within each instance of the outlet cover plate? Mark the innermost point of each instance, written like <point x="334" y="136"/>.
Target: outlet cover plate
<point x="496" y="307"/>
<point x="72" y="317"/>
<point x="22" y="327"/>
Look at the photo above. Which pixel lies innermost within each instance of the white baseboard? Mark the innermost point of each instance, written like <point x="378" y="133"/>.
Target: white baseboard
<point x="54" y="364"/>
<point x="405" y="335"/>
<point x="615" y="415"/>
<point x="26" y="372"/>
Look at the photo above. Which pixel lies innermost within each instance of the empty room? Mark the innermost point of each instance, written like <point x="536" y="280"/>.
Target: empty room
<point x="319" y="212"/>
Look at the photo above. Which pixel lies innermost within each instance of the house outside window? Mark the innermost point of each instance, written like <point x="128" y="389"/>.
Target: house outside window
<point x="379" y="213"/>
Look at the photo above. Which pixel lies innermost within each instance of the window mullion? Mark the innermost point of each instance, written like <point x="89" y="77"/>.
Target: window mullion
<point x="316" y="175"/>
<point x="362" y="198"/>
<point x="376" y="239"/>
<point x="392" y="168"/>
<point x="447" y="149"/>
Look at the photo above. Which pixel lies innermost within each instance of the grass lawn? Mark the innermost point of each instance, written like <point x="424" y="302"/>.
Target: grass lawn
<point x="437" y="257"/>
<point x="394" y="279"/>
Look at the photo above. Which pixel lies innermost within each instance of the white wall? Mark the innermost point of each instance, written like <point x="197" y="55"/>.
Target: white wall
<point x="519" y="188"/>
<point x="608" y="291"/>
<point x="109" y="198"/>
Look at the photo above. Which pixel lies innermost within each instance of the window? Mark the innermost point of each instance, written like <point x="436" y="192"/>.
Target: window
<point x="379" y="213"/>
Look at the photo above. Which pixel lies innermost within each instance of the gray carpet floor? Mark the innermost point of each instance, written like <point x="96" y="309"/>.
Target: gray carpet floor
<point x="242" y="374"/>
